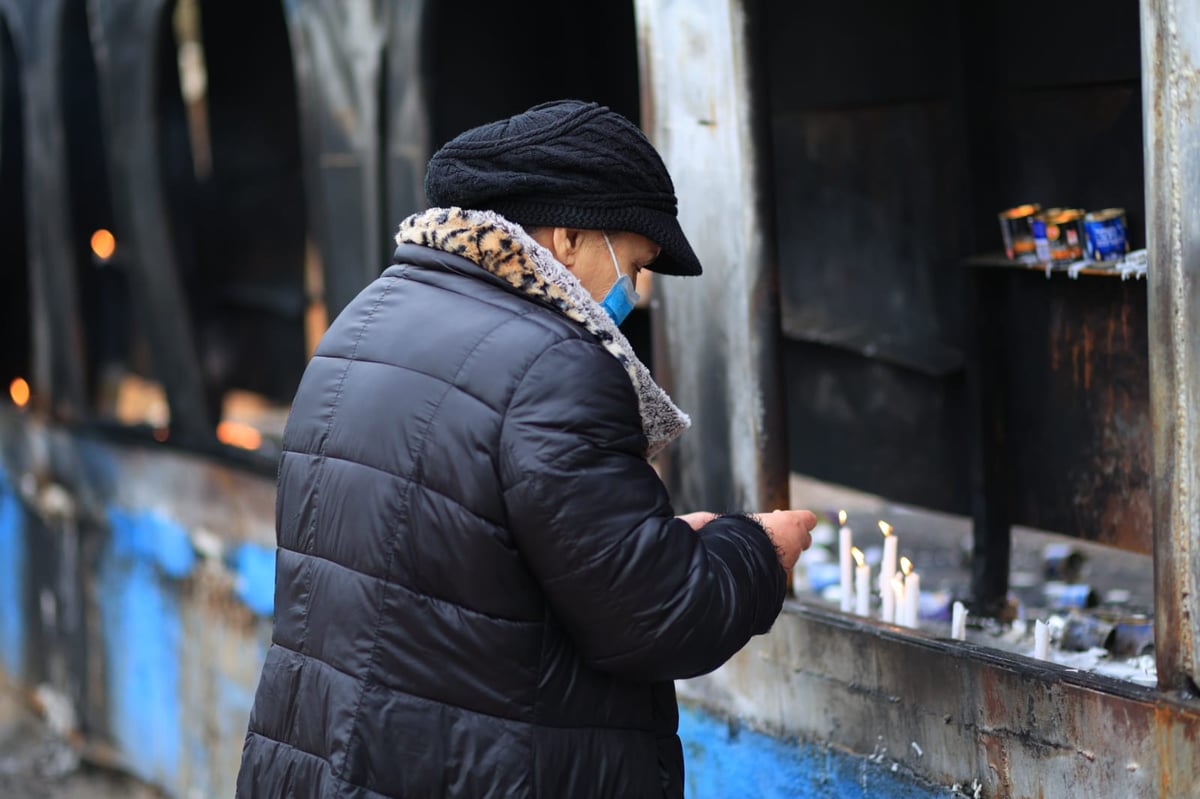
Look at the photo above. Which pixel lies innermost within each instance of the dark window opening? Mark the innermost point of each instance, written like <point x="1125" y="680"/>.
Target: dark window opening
<point x="15" y="323"/>
<point x="383" y="129"/>
<point x="231" y="159"/>
<point x="118" y="369"/>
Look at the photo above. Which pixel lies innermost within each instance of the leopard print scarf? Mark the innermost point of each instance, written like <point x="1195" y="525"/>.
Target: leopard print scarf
<point x="507" y="251"/>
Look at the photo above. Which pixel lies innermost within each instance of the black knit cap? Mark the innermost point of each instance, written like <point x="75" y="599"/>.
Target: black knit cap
<point x="565" y="164"/>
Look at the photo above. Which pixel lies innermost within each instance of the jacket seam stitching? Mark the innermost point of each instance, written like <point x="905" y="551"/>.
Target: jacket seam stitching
<point x="540" y="723"/>
<point x="320" y="478"/>
<point x="414" y="370"/>
<point x="398" y="476"/>
<point x="413" y="591"/>
<point x="418" y="468"/>
<point x="525" y="478"/>
<point x="517" y="390"/>
<point x="314" y="756"/>
<point x="505" y="491"/>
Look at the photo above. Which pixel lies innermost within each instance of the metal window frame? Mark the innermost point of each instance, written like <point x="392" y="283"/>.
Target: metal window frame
<point x="732" y="379"/>
<point x="1171" y="120"/>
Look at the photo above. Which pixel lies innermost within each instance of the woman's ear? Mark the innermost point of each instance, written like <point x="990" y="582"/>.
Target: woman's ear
<point x="566" y="242"/>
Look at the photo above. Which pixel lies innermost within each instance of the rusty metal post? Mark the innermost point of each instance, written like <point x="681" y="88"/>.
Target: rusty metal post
<point x="1171" y="103"/>
<point x="705" y="109"/>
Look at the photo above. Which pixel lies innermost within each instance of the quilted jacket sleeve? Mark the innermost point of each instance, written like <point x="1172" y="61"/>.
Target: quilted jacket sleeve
<point x="640" y="593"/>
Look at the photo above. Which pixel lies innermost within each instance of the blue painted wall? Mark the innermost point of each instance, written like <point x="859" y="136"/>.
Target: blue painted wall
<point x="13" y="568"/>
<point x="140" y="573"/>
<point x="140" y="613"/>
<point x="254" y="566"/>
<point x="726" y="761"/>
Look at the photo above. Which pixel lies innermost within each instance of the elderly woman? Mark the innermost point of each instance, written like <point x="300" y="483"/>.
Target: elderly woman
<point x="482" y="588"/>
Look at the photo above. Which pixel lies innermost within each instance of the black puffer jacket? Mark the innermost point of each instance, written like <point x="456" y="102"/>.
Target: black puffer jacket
<point x="481" y="587"/>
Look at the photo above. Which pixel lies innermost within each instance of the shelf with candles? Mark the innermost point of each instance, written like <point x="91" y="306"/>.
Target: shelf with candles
<point x="1053" y="579"/>
<point x="898" y="585"/>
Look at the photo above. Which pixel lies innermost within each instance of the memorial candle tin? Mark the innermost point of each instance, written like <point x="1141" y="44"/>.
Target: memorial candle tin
<point x="1016" y="229"/>
<point x="1106" y="234"/>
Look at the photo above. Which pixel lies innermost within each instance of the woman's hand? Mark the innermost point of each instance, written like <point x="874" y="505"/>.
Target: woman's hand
<point x="790" y="531"/>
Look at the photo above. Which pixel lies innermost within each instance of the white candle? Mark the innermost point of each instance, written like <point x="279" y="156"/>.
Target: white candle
<point x="888" y="567"/>
<point x="912" y="595"/>
<point x="958" y="624"/>
<point x="1041" y="640"/>
<point x="845" y="542"/>
<point x="862" y="583"/>
<point x="896" y="593"/>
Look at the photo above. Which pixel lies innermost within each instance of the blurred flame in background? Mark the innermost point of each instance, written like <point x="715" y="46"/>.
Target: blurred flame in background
<point x="18" y="389"/>
<point x="239" y="434"/>
<point x="104" y="244"/>
<point x="250" y="420"/>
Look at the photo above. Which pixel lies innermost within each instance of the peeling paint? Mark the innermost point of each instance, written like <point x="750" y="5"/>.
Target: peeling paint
<point x="12" y="581"/>
<point x="141" y="630"/>
<point x="152" y="538"/>
<point x="724" y="759"/>
<point x="254" y="566"/>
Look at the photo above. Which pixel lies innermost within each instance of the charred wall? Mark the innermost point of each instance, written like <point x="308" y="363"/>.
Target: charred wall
<point x="899" y="130"/>
<point x="15" y="321"/>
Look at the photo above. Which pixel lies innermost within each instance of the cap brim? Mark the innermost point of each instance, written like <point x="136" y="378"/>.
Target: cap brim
<point x="661" y="227"/>
<point x="677" y="256"/>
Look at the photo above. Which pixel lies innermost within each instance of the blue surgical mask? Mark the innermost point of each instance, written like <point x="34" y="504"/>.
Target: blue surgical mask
<point x="621" y="298"/>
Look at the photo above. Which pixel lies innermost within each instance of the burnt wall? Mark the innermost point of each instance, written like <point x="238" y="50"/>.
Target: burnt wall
<point x="899" y="130"/>
<point x="491" y="60"/>
<point x="15" y="321"/>
<point x="1055" y="113"/>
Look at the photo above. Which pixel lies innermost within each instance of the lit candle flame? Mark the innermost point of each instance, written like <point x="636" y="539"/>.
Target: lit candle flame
<point x="906" y="566"/>
<point x="842" y="518"/>
<point x="885" y="528"/>
<point x="104" y="244"/>
<point x="859" y="558"/>
<point x="18" y="389"/>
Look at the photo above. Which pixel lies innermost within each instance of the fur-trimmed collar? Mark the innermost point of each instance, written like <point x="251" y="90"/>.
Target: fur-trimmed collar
<point x="504" y="249"/>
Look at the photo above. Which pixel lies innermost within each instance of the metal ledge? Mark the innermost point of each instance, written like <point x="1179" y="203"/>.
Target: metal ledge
<point x="1020" y="727"/>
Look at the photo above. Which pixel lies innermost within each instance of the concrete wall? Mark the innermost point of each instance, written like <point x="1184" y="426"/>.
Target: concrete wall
<point x="137" y="586"/>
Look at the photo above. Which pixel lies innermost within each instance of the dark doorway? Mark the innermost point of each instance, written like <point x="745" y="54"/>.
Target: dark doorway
<point x="99" y="259"/>
<point x="231" y="157"/>
<point x="15" y="322"/>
